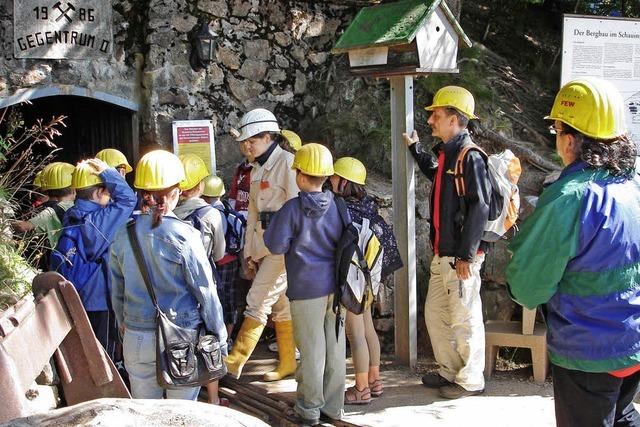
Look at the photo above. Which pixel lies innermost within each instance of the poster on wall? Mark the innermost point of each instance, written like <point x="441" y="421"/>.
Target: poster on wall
<point x="196" y="137"/>
<point x="608" y="48"/>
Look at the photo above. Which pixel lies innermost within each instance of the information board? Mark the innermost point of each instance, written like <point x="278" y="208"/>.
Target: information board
<point x="65" y="29"/>
<point x="196" y="137"/>
<point x="608" y="48"/>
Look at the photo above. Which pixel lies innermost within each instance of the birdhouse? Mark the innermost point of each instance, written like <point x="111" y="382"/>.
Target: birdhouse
<point x="409" y="37"/>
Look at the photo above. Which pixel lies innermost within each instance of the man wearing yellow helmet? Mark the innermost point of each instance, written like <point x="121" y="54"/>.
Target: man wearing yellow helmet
<point x="453" y="309"/>
<point x="104" y="202"/>
<point x="578" y="254"/>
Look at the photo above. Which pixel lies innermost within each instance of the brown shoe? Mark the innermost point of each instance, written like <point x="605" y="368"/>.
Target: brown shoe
<point x="456" y="391"/>
<point x="435" y="381"/>
<point x="376" y="388"/>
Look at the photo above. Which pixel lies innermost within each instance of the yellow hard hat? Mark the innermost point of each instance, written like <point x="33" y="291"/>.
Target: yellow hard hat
<point x="350" y="169"/>
<point x="37" y="180"/>
<point x="195" y="170"/>
<point x="213" y="186"/>
<point x="292" y="138"/>
<point x="56" y="175"/>
<point x="157" y="170"/>
<point x="314" y="160"/>
<point x="114" y="158"/>
<point x="592" y="106"/>
<point x="454" y="97"/>
<point x="84" y="176"/>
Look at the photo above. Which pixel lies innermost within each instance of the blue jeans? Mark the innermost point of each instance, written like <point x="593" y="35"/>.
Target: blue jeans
<point x="140" y="360"/>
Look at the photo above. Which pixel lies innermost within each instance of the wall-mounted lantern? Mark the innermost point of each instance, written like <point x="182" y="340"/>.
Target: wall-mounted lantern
<point x="203" y="47"/>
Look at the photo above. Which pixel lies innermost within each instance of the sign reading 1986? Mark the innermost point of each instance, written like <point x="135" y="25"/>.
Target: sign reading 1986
<point x="58" y="29"/>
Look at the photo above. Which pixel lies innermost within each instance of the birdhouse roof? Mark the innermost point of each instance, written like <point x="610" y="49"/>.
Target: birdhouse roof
<point x="392" y="24"/>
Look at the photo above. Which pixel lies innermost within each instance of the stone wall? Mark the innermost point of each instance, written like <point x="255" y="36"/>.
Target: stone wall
<point x="268" y="55"/>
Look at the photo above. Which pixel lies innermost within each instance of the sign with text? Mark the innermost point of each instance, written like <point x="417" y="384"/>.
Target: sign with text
<point x="62" y="29"/>
<point x="196" y="137"/>
<point x="608" y="48"/>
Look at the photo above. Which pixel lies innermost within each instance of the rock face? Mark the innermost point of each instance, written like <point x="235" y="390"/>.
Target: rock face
<point x="140" y="412"/>
<point x="267" y="54"/>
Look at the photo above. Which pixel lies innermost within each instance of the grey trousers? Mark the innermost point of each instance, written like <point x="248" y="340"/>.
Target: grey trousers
<point x="322" y="368"/>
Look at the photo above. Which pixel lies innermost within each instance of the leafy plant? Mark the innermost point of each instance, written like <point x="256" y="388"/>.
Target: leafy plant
<point x="18" y="166"/>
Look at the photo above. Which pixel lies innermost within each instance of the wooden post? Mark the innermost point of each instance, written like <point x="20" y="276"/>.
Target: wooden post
<point x="404" y="221"/>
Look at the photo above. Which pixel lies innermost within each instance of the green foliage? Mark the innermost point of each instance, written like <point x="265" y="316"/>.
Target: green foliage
<point x="17" y="168"/>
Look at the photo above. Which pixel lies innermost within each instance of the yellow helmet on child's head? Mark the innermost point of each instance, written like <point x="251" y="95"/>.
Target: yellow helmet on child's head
<point x="454" y="97"/>
<point x="56" y="176"/>
<point x="114" y="158"/>
<point x="195" y="170"/>
<point x="213" y="186"/>
<point x="314" y="160"/>
<point x="84" y="176"/>
<point x="157" y="170"/>
<point x="294" y="140"/>
<point x="591" y="106"/>
<point x="350" y="169"/>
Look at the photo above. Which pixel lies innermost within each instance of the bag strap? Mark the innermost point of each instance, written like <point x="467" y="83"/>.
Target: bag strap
<point x="142" y="265"/>
<point x="59" y="211"/>
<point x="343" y="211"/>
<point x="458" y="173"/>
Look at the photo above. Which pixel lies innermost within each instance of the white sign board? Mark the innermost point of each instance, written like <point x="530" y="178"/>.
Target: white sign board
<point x="608" y="48"/>
<point x="62" y="29"/>
<point x="195" y="137"/>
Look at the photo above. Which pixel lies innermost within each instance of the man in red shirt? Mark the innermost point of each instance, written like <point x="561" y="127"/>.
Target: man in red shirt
<point x="453" y="309"/>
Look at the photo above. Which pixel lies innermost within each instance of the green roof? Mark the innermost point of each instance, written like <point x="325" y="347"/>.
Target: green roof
<point x="392" y="24"/>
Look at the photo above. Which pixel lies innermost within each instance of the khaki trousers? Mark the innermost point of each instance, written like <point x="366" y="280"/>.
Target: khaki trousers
<point x="321" y="373"/>
<point x="453" y="314"/>
<point x="267" y="292"/>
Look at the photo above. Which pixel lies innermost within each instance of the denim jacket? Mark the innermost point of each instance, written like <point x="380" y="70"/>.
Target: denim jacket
<point x="180" y="273"/>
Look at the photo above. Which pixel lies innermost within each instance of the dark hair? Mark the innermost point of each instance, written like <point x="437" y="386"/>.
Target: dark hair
<point x="314" y="180"/>
<point x="351" y="190"/>
<point x="60" y="192"/>
<point x="157" y="201"/>
<point x="87" y="192"/>
<point x="463" y="120"/>
<point x="617" y="155"/>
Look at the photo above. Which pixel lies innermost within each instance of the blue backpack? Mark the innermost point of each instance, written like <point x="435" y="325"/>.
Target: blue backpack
<point x="69" y="258"/>
<point x="234" y="228"/>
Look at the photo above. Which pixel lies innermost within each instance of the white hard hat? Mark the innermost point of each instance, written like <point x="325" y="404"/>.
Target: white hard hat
<point x="255" y="122"/>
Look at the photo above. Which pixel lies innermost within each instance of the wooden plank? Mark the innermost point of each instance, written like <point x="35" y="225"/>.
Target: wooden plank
<point x="404" y="221"/>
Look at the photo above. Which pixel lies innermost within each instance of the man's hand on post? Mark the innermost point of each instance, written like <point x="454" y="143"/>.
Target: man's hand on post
<point x="410" y="140"/>
<point x="463" y="269"/>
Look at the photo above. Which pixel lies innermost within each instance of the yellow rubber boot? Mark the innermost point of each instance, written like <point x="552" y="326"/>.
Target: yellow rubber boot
<point x="286" y="352"/>
<point x="243" y="346"/>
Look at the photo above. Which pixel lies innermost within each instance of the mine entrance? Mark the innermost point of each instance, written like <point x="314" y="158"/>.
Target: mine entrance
<point x="91" y="125"/>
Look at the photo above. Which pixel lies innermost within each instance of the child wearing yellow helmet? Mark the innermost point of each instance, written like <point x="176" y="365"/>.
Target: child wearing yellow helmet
<point x="103" y="204"/>
<point x="55" y="182"/>
<point x="180" y="272"/>
<point x="307" y="230"/>
<point x="348" y="182"/>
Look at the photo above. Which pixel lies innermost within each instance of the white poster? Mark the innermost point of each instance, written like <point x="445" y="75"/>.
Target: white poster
<point x="608" y="48"/>
<point x="195" y="137"/>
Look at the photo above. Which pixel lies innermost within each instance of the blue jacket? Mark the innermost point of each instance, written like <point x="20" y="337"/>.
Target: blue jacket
<point x="579" y="253"/>
<point x="89" y="228"/>
<point x="306" y="230"/>
<point x="180" y="273"/>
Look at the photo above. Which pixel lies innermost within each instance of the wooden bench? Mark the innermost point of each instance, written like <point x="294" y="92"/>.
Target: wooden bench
<point x="525" y="334"/>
